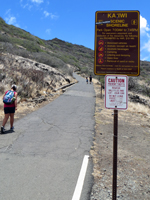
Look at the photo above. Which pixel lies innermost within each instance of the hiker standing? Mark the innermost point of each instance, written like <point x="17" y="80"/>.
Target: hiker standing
<point x="9" y="109"/>
<point x="90" y="79"/>
<point x="87" y="80"/>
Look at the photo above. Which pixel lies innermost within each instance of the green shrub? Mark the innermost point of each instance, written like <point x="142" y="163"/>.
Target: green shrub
<point x="69" y="44"/>
<point x="84" y="70"/>
<point x="4" y="38"/>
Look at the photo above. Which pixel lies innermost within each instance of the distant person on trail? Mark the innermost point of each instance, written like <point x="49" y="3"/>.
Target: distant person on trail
<point x="87" y="80"/>
<point x="9" y="109"/>
<point x="90" y="79"/>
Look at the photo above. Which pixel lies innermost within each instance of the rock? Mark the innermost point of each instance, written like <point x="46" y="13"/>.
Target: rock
<point x="67" y="79"/>
<point x="137" y="99"/>
<point x="39" y="99"/>
<point x="2" y="76"/>
<point x="18" y="99"/>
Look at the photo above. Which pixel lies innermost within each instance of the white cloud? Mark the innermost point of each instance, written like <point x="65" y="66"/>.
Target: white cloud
<point x="145" y="58"/>
<point x="144" y="39"/>
<point x="146" y="46"/>
<point x="10" y="19"/>
<point x="52" y="16"/>
<point x="8" y="12"/>
<point x="46" y="13"/>
<point x="144" y="27"/>
<point x="37" y="1"/>
<point x="48" y="31"/>
<point x="28" y="6"/>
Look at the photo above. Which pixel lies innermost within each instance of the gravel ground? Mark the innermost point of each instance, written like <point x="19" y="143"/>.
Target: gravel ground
<point x="133" y="176"/>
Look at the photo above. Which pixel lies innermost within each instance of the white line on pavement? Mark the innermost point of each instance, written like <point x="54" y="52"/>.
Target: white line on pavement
<point x="79" y="185"/>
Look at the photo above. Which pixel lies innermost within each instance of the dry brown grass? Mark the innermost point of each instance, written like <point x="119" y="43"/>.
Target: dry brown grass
<point x="138" y="108"/>
<point x="132" y="107"/>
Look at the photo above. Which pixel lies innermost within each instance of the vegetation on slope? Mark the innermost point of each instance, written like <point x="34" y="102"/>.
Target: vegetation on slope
<point x="59" y="54"/>
<point x="55" y="53"/>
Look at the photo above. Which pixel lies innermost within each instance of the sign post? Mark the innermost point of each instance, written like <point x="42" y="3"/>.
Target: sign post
<point x="116" y="97"/>
<point x="115" y="149"/>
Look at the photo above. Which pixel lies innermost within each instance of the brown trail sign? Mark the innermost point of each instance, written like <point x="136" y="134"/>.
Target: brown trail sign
<point x="117" y="43"/>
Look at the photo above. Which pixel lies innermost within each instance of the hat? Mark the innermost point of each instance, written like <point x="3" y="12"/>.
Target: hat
<point x="14" y="87"/>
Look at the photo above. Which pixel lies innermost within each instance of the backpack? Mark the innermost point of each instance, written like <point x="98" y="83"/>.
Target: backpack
<point x="9" y="97"/>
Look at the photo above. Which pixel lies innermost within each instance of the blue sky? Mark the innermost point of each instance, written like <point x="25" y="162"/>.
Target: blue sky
<point x="72" y="21"/>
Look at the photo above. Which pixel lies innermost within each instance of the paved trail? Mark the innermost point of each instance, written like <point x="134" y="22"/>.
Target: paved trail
<point x="42" y="159"/>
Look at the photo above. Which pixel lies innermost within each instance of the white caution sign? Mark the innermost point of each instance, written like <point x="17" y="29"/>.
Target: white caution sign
<point x="116" y="92"/>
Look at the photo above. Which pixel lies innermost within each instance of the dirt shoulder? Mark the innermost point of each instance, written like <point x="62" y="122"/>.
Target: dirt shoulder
<point x="133" y="153"/>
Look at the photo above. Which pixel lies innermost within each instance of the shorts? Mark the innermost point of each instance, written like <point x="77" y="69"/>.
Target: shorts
<point x="9" y="110"/>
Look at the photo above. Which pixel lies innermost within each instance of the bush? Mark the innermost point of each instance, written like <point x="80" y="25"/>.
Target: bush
<point x="132" y="84"/>
<point x="145" y="90"/>
<point x="4" y="38"/>
<point x="84" y="70"/>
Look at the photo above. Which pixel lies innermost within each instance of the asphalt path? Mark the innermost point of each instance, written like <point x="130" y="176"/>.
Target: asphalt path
<point x="42" y="159"/>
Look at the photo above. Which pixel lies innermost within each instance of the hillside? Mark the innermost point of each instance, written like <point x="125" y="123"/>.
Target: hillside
<point x="38" y="66"/>
<point x="56" y="53"/>
<point x="63" y="56"/>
